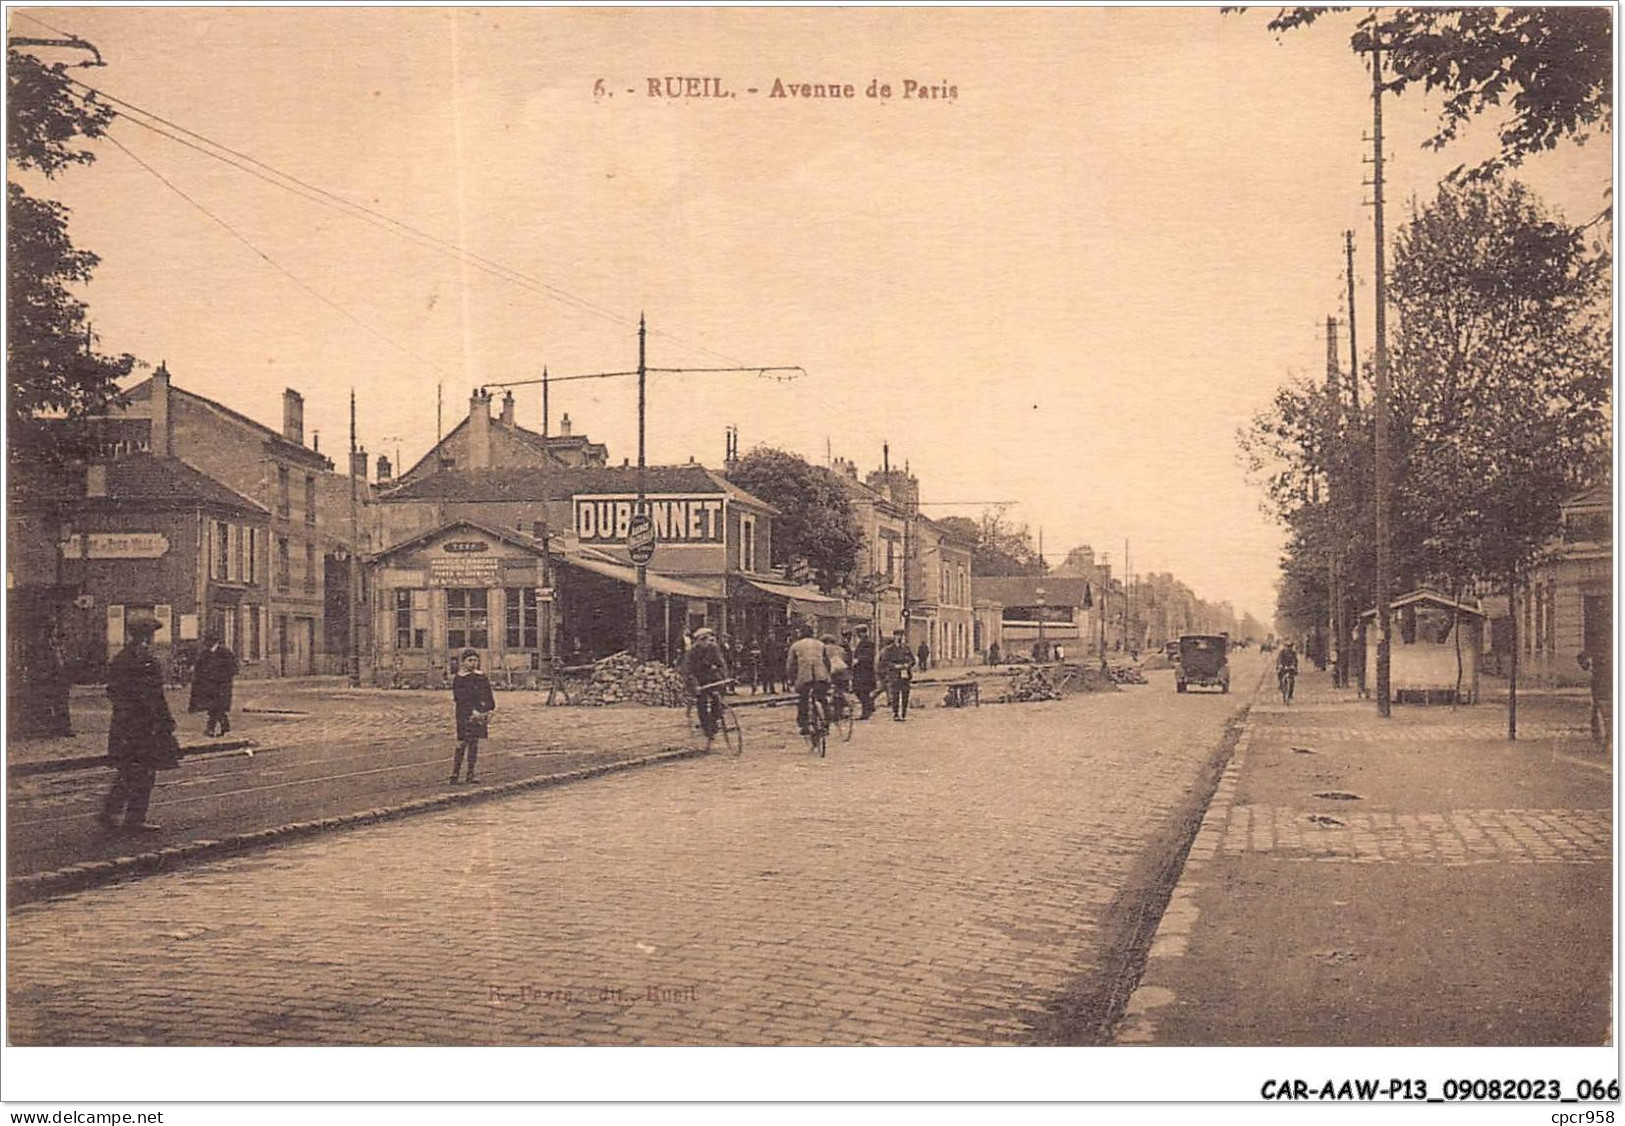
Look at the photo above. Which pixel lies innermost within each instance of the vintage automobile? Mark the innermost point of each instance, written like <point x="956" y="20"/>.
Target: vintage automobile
<point x="1203" y="661"/>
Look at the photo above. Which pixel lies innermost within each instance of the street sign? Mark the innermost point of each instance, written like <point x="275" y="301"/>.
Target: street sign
<point x="640" y="538"/>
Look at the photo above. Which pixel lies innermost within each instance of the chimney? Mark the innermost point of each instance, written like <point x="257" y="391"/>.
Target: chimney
<point x="293" y="416"/>
<point x="564" y="425"/>
<point x="316" y="441"/>
<point x="386" y="469"/>
<point x="95" y="480"/>
<point x="507" y="410"/>
<point x="358" y="463"/>
<point x="479" y="430"/>
<point x="158" y="416"/>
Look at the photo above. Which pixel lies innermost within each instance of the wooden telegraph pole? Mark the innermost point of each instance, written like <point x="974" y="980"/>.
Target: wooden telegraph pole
<point x="1384" y="554"/>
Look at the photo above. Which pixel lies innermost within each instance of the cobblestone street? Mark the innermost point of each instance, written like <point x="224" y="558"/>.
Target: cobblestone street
<point x="944" y="881"/>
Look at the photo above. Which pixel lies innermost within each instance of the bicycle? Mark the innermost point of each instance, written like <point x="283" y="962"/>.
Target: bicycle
<point x="817" y="734"/>
<point x="733" y="736"/>
<point x="1288" y="681"/>
<point x="841" y="714"/>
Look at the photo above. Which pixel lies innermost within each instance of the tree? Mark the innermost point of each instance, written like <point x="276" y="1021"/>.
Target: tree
<point x="815" y="532"/>
<point x="1001" y="548"/>
<point x="53" y="368"/>
<point x="1502" y="372"/>
<point x="1554" y="65"/>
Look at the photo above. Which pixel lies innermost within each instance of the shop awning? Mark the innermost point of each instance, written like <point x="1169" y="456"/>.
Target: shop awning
<point x="658" y="583"/>
<point x="793" y="591"/>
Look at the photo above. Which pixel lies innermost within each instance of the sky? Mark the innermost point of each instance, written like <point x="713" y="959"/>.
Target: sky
<point x="1065" y="286"/>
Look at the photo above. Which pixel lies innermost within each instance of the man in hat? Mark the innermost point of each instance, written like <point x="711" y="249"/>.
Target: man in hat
<point x="141" y="737"/>
<point x="897" y="663"/>
<point x="212" y="679"/>
<point x="707" y="667"/>
<point x="863" y="673"/>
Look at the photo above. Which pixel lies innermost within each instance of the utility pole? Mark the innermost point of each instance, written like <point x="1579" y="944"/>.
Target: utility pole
<point x="1354" y="347"/>
<point x="638" y="509"/>
<point x="355" y="560"/>
<point x="1332" y="456"/>
<point x="1384" y="559"/>
<point x="792" y="371"/>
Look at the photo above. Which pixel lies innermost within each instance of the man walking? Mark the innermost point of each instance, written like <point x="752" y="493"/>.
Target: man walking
<point x="863" y="673"/>
<point x="141" y="738"/>
<point x="212" y="678"/>
<point x="925" y="656"/>
<point x="897" y="664"/>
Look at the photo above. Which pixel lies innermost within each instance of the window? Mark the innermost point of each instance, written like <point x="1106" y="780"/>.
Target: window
<point x="251" y="556"/>
<point x="222" y="549"/>
<point x="891" y="561"/>
<point x="520" y="605"/>
<point x="255" y="651"/>
<point x="310" y="499"/>
<point x="468" y="625"/>
<point x="282" y="491"/>
<point x="411" y="619"/>
<point x="310" y="567"/>
<point x="282" y="567"/>
<point x="747" y="543"/>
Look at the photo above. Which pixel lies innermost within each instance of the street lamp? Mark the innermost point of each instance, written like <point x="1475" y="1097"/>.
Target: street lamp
<point x="1043" y="650"/>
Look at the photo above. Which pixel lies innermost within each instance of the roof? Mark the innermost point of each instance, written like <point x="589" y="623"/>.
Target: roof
<point x="144" y="480"/>
<point x="586" y="559"/>
<point x="1599" y="495"/>
<point x="660" y="584"/>
<point x="143" y="390"/>
<point x="545" y="446"/>
<point x="1431" y="598"/>
<point x="949" y="535"/>
<point x="1022" y="590"/>
<point x="517" y="539"/>
<point x="532" y="483"/>
<point x="779" y="589"/>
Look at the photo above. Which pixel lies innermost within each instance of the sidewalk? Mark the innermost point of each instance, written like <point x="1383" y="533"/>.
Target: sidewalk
<point x="1411" y="881"/>
<point x="273" y="714"/>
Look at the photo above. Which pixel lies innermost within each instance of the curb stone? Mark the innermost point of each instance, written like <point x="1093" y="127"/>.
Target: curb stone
<point x="88" y="874"/>
<point x="1138" y="1021"/>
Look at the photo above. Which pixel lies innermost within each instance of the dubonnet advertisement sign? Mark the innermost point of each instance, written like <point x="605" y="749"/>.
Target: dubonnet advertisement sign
<point x="607" y="519"/>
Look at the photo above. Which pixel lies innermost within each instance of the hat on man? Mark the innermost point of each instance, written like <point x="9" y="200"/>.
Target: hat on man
<point x="704" y="631"/>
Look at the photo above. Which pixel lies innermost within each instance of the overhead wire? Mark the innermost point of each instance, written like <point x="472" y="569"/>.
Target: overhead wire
<point x="273" y="263"/>
<point x="321" y="196"/>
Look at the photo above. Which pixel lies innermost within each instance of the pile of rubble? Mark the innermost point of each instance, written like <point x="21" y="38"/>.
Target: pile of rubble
<point x="622" y="680"/>
<point x="1029" y="683"/>
<point x="1126" y="674"/>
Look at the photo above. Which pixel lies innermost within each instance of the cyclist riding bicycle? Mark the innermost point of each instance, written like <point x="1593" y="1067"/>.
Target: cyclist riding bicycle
<point x="1286" y="666"/>
<point x="840" y="672"/>
<point x="705" y="667"/>
<point x="807" y="667"/>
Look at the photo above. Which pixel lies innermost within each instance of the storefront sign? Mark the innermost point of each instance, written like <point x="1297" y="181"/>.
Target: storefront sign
<point x="466" y="571"/>
<point x="677" y="519"/>
<point x="465" y="547"/>
<point x="116" y="545"/>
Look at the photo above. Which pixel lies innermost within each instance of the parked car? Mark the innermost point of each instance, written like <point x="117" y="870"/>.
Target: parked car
<point x="1203" y="660"/>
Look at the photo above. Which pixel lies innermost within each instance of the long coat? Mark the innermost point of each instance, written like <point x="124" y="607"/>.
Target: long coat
<point x="142" y="730"/>
<point x="863" y="666"/>
<point x="212" y="677"/>
<point x="471" y="692"/>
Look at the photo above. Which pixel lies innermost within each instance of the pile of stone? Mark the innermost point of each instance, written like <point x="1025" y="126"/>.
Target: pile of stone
<point x="1127" y="674"/>
<point x="1029" y="683"/>
<point x="621" y="679"/>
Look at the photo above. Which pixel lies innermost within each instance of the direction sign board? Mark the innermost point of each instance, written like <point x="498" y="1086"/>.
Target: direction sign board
<point x="640" y="538"/>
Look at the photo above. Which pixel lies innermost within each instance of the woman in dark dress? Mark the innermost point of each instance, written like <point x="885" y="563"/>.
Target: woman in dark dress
<point x="471" y="693"/>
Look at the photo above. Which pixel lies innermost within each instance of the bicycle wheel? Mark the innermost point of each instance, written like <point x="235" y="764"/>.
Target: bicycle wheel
<point x="732" y="736"/>
<point x="843" y="721"/>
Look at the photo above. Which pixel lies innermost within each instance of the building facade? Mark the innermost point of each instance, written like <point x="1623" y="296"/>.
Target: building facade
<point x="138" y="535"/>
<point x="315" y="530"/>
